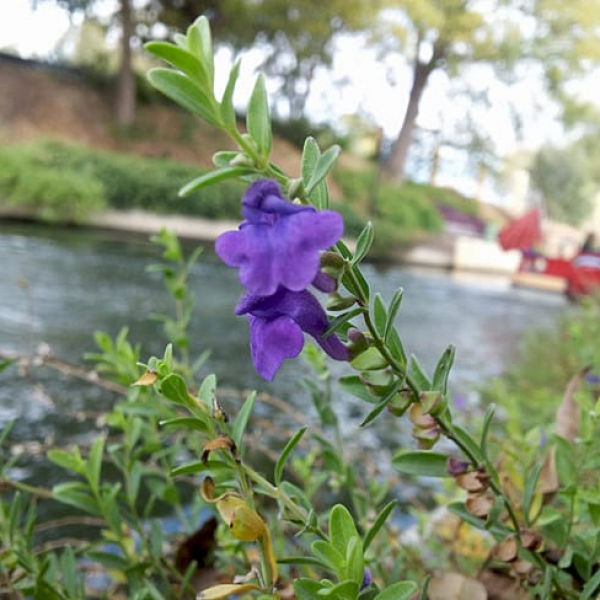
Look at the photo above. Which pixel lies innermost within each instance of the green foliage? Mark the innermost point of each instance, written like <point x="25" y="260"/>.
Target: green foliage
<point x="566" y="183"/>
<point x="29" y="182"/>
<point x="66" y="182"/>
<point x="400" y="212"/>
<point x="327" y="514"/>
<point x="546" y="362"/>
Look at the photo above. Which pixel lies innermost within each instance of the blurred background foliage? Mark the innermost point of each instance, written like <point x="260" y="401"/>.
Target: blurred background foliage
<point x="419" y="43"/>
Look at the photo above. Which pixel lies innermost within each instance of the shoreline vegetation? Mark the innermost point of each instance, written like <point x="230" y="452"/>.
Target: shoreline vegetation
<point x="60" y="183"/>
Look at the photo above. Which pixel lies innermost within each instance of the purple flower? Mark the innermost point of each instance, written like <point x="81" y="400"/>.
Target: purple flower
<point x="279" y="243"/>
<point x="276" y="325"/>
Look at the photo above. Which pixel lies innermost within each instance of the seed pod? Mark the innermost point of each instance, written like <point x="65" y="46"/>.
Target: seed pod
<point x="507" y="550"/>
<point x="433" y="403"/>
<point x="531" y="540"/>
<point x="419" y="418"/>
<point x="522" y="567"/>
<point x="479" y="505"/>
<point x="473" y="481"/>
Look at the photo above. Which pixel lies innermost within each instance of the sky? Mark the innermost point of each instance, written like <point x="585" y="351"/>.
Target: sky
<point x="362" y="86"/>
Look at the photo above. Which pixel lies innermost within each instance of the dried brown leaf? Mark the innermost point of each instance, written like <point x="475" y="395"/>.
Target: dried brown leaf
<point x="568" y="415"/>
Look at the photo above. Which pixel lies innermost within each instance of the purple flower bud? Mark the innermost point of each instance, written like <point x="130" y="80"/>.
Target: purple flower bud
<point x="367" y="579"/>
<point x="276" y="325"/>
<point x="279" y="243"/>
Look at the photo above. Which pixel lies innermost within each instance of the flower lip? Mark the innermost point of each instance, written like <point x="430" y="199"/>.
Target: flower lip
<point x="276" y="326"/>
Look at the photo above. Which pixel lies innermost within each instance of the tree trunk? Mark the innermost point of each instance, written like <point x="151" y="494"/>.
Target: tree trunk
<point x="126" y="82"/>
<point x="396" y="164"/>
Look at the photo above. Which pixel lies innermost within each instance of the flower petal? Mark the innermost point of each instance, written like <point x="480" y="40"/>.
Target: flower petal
<point x="272" y="341"/>
<point x="305" y="311"/>
<point x="280" y="242"/>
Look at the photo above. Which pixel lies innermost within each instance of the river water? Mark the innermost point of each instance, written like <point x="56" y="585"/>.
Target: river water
<point x="58" y="286"/>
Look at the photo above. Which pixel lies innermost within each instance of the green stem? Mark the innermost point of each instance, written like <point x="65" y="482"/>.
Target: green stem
<point x="275" y="493"/>
<point x="29" y="489"/>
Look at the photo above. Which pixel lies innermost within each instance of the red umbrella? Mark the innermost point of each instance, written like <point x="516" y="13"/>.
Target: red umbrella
<point x="523" y="232"/>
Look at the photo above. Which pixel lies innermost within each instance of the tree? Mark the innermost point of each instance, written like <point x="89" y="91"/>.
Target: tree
<point x="567" y="180"/>
<point x="125" y="97"/>
<point x="450" y="35"/>
<point x="437" y="35"/>
<point x="294" y="42"/>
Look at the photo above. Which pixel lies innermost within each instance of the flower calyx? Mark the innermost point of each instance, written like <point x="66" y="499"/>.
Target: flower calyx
<point x="426" y="430"/>
<point x="433" y="403"/>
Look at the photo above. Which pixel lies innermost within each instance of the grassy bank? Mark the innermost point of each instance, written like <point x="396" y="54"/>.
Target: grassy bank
<point x="60" y="182"/>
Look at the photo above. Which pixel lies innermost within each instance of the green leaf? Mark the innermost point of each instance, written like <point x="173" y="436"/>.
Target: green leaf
<point x="71" y="461"/>
<point x="207" y="390"/>
<point x="341" y="319"/>
<point x="466" y="439"/>
<point x="185" y="423"/>
<point x="421" y="462"/>
<point x="382" y="404"/>
<point x="329" y="555"/>
<point x="308" y="589"/>
<point x="185" y="92"/>
<point x="379" y="522"/>
<point x="355" y="562"/>
<point x="211" y="178"/>
<point x="6" y="432"/>
<point x="258" y="121"/>
<point x="94" y="462"/>
<point x="495" y="513"/>
<point x="360" y="289"/>
<point x="227" y="107"/>
<point x="323" y="165"/>
<point x="282" y="460"/>
<point x="392" y="313"/>
<point x="403" y="590"/>
<point x="425" y="588"/>
<point x="310" y="156"/>
<point x="395" y="346"/>
<point x="354" y="385"/>
<point x="487" y="421"/>
<point x="222" y="159"/>
<point x="6" y="362"/>
<point x="419" y="375"/>
<point x="199" y="41"/>
<point x="590" y="587"/>
<point x="76" y="494"/>
<point x="183" y="60"/>
<point x="302" y="560"/>
<point x="363" y="243"/>
<point x="241" y="420"/>
<point x="341" y="528"/>
<point x="369" y="360"/>
<point x="379" y="314"/>
<point x="174" y="388"/>
<point x="442" y="370"/>
<point x="347" y="590"/>
<point x="498" y="530"/>
<point x="109" y="560"/>
<point x="565" y="462"/>
<point x="529" y="491"/>
<point x="181" y="40"/>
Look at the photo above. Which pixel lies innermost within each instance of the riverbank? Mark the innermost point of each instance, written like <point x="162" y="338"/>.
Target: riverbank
<point x="447" y="252"/>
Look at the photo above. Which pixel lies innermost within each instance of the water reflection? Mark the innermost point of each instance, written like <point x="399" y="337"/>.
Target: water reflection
<point x="59" y="286"/>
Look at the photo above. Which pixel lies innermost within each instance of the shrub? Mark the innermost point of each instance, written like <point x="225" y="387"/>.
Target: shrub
<point x="119" y="181"/>
<point x="53" y="195"/>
